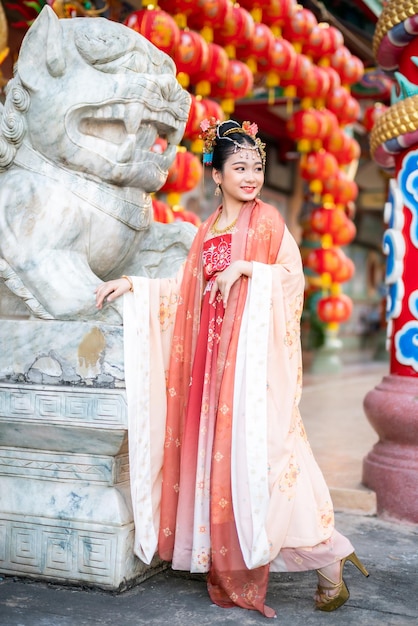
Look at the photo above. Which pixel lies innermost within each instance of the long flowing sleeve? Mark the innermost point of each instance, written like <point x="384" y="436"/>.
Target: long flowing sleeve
<point x="149" y="315"/>
<point x="280" y="496"/>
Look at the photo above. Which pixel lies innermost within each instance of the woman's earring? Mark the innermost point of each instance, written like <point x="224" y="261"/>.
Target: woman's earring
<point x="218" y="190"/>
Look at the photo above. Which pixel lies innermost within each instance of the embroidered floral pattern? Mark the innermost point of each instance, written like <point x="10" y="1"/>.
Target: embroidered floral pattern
<point x="178" y="347"/>
<point x="203" y="559"/>
<point x="289" y="478"/>
<point x="292" y="331"/>
<point x="302" y="431"/>
<point x="216" y="255"/>
<point x="264" y="229"/>
<point x="170" y="438"/>
<point x="168" y="306"/>
<point x="326" y="516"/>
<point x="250" y="592"/>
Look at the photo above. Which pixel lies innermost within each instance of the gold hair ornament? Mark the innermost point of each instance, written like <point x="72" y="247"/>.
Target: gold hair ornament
<point x="210" y="136"/>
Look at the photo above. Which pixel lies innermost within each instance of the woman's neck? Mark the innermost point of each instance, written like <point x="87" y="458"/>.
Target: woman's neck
<point x="231" y="210"/>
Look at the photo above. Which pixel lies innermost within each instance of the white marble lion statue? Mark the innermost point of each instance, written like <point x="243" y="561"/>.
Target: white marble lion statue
<point x="87" y="102"/>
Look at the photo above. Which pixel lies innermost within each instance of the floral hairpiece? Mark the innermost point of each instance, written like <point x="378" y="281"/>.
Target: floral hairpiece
<point x="210" y="135"/>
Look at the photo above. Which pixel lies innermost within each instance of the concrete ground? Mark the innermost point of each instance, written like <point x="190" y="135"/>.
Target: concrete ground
<point x="340" y="435"/>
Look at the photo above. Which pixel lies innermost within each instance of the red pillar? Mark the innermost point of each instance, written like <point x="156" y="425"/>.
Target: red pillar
<point x="391" y="467"/>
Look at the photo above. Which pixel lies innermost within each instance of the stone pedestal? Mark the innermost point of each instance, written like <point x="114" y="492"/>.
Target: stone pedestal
<point x="65" y="505"/>
<point x="326" y="359"/>
<point x="391" y="467"/>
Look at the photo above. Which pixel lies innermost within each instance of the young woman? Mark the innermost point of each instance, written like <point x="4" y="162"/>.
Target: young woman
<point x="241" y="494"/>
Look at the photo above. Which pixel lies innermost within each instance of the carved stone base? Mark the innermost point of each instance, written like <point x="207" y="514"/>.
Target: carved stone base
<point x="391" y="467"/>
<point x="65" y="505"/>
<point x="326" y="359"/>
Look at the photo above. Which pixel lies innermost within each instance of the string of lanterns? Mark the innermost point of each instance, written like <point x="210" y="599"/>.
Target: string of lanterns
<point x="223" y="52"/>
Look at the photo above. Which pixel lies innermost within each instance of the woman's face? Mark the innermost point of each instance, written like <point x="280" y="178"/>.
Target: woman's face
<point x="242" y="176"/>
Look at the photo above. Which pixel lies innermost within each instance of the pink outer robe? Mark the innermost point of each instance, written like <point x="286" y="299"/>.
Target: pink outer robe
<point x="248" y="482"/>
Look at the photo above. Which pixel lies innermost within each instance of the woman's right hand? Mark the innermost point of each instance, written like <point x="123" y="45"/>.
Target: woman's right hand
<point x="111" y="290"/>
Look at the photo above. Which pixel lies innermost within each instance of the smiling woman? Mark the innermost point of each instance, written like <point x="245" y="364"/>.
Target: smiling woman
<point x="241" y="493"/>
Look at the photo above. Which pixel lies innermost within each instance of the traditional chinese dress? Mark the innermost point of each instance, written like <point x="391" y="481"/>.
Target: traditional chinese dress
<point x="241" y="493"/>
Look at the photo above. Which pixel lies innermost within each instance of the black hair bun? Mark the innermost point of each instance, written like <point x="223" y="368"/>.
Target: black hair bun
<point x="228" y="125"/>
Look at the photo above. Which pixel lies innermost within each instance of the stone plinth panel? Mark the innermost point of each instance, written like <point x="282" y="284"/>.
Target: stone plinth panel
<point x="65" y="504"/>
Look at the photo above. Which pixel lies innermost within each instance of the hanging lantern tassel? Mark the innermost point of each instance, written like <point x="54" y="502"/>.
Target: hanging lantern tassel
<point x="228" y="105"/>
<point x="173" y="199"/>
<point x="272" y="81"/>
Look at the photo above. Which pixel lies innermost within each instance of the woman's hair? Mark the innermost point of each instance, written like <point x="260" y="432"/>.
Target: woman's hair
<point x="229" y="136"/>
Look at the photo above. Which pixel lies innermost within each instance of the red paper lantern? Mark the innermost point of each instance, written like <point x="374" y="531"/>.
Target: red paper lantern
<point x="280" y="61"/>
<point x="190" y="56"/>
<point x="237" y="30"/>
<point x="250" y="5"/>
<point x="316" y="84"/>
<point x="348" y="191"/>
<point x="307" y="127"/>
<point x="298" y="26"/>
<point x="335" y="309"/>
<point x="208" y="15"/>
<point x="319" y="165"/>
<point x="345" y="271"/>
<point x="334" y="142"/>
<point x="237" y="83"/>
<point x="212" y="109"/>
<point x="317" y="45"/>
<point x="197" y="113"/>
<point x="345" y="148"/>
<point x="260" y="47"/>
<point x="352" y="153"/>
<point x="201" y="108"/>
<point x="325" y="261"/>
<point x="351" y="113"/>
<point x="162" y="212"/>
<point x="349" y="67"/>
<point x="327" y="221"/>
<point x="339" y="58"/>
<point x="184" y="173"/>
<point x="331" y="125"/>
<point x="213" y="71"/>
<point x="297" y="75"/>
<point x="353" y="71"/>
<point x="340" y="189"/>
<point x="333" y="75"/>
<point x="337" y="100"/>
<point x="277" y="13"/>
<point x="371" y="114"/>
<point x="336" y="39"/>
<point x="177" y="8"/>
<point x="157" y="26"/>
<point x="344" y="235"/>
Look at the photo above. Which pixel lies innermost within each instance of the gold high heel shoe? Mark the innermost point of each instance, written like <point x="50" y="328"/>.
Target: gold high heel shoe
<point x="331" y="603"/>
